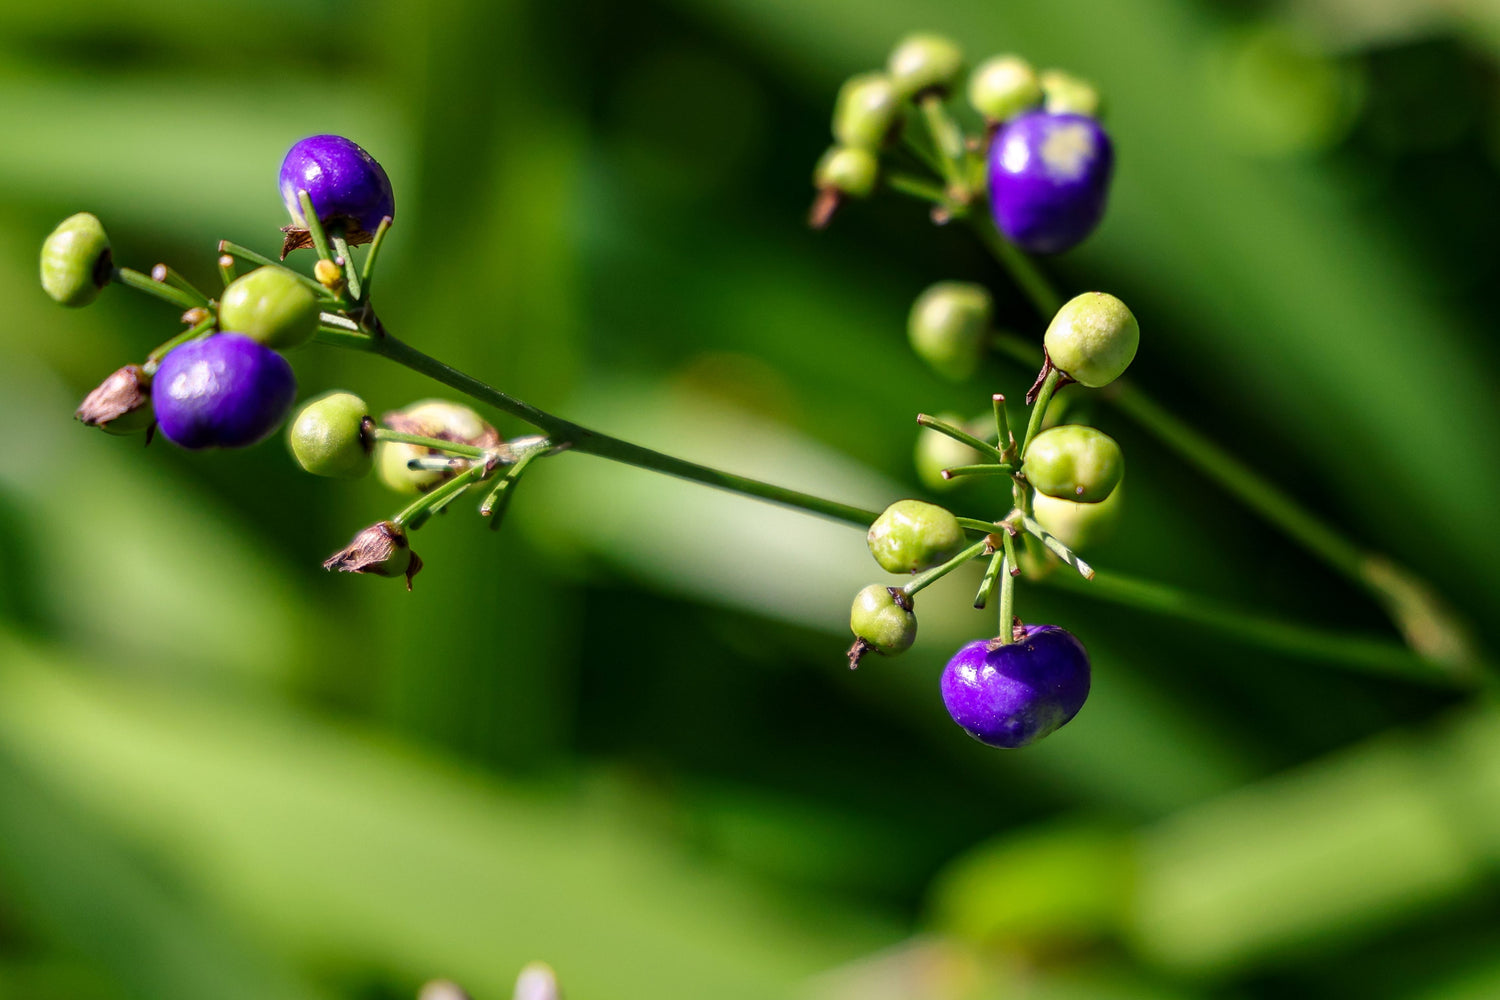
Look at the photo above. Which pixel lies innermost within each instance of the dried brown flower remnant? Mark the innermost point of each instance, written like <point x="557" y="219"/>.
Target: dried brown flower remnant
<point x="121" y="404"/>
<point x="381" y="549"/>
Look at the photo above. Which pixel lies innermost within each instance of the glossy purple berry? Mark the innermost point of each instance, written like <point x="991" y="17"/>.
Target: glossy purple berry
<point x="347" y="187"/>
<point x="1012" y="695"/>
<point x="1049" y="179"/>
<point x="224" y="391"/>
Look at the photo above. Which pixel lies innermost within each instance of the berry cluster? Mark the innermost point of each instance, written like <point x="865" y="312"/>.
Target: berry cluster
<point x="1042" y="163"/>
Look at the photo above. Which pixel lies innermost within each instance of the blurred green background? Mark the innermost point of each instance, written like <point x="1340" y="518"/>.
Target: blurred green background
<point x="619" y="735"/>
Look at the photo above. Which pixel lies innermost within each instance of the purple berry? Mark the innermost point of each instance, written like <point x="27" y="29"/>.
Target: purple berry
<point x="1049" y="178"/>
<point x="224" y="391"/>
<point x="1009" y="696"/>
<point x="346" y="185"/>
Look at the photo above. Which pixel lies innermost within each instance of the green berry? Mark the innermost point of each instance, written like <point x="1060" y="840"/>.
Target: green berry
<point x="1066" y="94"/>
<point x="912" y="535"/>
<point x="272" y="306"/>
<point x="76" y="261"/>
<point x="922" y="62"/>
<point x="434" y="418"/>
<point x="882" y="618"/>
<point x="330" y="436"/>
<point x="937" y="451"/>
<point x="1093" y="338"/>
<point x="948" y="325"/>
<point x="1002" y="87"/>
<point x="1074" y="462"/>
<point x="1079" y="526"/>
<point x="866" y="112"/>
<point x="848" y="170"/>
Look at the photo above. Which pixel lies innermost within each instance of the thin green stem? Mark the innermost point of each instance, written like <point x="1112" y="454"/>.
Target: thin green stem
<point x="378" y="241"/>
<point x="948" y="140"/>
<point x="1007" y="614"/>
<point x="245" y="253"/>
<point x="1347" y="650"/>
<point x="314" y="226"/>
<point x="1022" y="269"/>
<point x="1002" y="428"/>
<point x="981" y="469"/>
<point x="931" y="576"/>
<point x="144" y="283"/>
<point x="335" y="336"/>
<point x="346" y="260"/>
<point x="498" y="501"/>
<point x="192" y="333"/>
<point x="1056" y="547"/>
<point x="169" y="276"/>
<point x="416" y="512"/>
<point x="987" y="585"/>
<point x="983" y="527"/>
<point x="918" y="188"/>
<point x="226" y="268"/>
<point x="436" y="444"/>
<point x="1039" y="408"/>
<point x="962" y="436"/>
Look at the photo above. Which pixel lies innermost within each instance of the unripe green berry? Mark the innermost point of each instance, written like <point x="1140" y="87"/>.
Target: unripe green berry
<point x="848" y="170"/>
<point x="936" y="451"/>
<point x="866" y="111"/>
<point x="272" y="306"/>
<point x="1066" y="94"/>
<point x="912" y="535"/>
<point x="1074" y="462"/>
<point x="1002" y="87"/>
<point x="330" y="436"/>
<point x="1093" y="338"/>
<point x="76" y="260"/>
<point x="948" y="325"/>
<point x="1079" y="526"/>
<point x="882" y="617"/>
<point x="924" y="62"/>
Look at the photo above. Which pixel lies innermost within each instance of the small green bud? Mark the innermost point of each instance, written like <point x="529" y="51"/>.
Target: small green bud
<point x="881" y="619"/>
<point x="270" y="305"/>
<point x="1074" y="462"/>
<point x="1064" y="93"/>
<point x="330" y="436"/>
<point x="948" y="325"/>
<point x="1002" y="87"/>
<point x="937" y="451"/>
<point x="1093" y="338"/>
<point x="76" y="260"/>
<point x="924" y="62"/>
<point x="866" y="112"/>
<point x="912" y="535"/>
<point x="848" y="170"/>
<point x="1079" y="526"/>
<point x="434" y="418"/>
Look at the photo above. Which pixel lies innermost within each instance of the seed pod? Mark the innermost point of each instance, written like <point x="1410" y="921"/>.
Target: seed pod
<point x="380" y="549"/>
<point x="76" y="260"/>
<point x="1002" y="87"/>
<point x="434" y="418"/>
<point x="924" y="63"/>
<point x="121" y="404"/>
<point x="330" y="436"/>
<point x="912" y="535"/>
<point x="272" y="306"/>
<point x="882" y="620"/>
<point x="1010" y="695"/>
<point x="867" y="111"/>
<point x="948" y="325"/>
<point x="1093" y="338"/>
<point x="1074" y="462"/>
